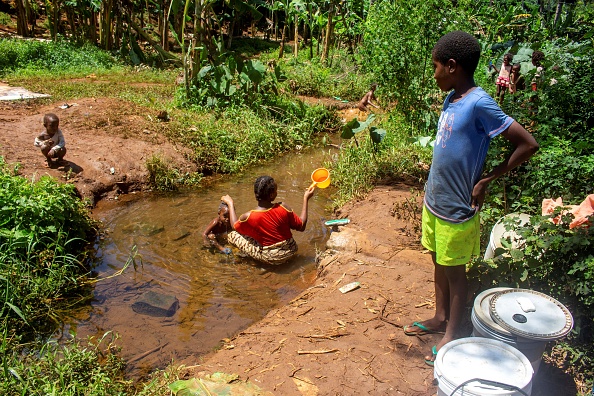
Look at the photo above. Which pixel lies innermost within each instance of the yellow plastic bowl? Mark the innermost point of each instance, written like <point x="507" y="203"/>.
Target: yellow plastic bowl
<point x="321" y="178"/>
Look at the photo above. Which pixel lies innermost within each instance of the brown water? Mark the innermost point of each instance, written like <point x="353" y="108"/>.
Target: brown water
<point x="218" y="295"/>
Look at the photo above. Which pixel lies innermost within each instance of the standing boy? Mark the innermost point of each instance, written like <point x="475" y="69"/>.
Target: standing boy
<point x="455" y="189"/>
<point x="51" y="141"/>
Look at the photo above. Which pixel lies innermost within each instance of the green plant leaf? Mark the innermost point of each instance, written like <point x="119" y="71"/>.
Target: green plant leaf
<point x="377" y="134"/>
<point x="16" y="310"/>
<point x="347" y="129"/>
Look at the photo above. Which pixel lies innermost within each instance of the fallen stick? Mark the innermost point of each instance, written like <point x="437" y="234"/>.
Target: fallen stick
<point x="145" y="354"/>
<point x="305" y="312"/>
<point x="387" y="321"/>
<point x="325" y="336"/>
<point x="317" y="352"/>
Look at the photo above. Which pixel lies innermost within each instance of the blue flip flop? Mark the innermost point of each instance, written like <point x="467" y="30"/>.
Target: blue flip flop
<point x="424" y="330"/>
<point x="431" y="362"/>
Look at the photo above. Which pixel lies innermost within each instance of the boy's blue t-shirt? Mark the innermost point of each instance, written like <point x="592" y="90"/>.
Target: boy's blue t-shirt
<point x="464" y="132"/>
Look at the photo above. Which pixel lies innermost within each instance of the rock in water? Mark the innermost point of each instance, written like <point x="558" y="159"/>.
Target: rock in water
<point x="155" y="304"/>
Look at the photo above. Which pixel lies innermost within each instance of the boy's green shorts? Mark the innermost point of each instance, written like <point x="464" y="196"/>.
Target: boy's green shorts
<point x="453" y="243"/>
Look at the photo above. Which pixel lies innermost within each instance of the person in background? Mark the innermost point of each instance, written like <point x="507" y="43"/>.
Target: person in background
<point x="516" y="80"/>
<point x="264" y="233"/>
<point x="219" y="226"/>
<point x="367" y="99"/>
<point x="456" y="186"/>
<point x="537" y="58"/>
<point x="51" y="141"/>
<point x="503" y="77"/>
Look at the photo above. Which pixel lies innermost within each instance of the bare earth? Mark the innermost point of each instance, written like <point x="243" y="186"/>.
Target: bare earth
<point x="323" y="342"/>
<point x="108" y="143"/>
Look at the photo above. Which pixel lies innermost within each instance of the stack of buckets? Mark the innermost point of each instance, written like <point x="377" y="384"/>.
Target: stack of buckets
<point x="511" y="328"/>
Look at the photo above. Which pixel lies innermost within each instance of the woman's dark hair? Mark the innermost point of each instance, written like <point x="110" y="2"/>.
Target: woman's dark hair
<point x="263" y="187"/>
<point x="537" y="57"/>
<point x="459" y="46"/>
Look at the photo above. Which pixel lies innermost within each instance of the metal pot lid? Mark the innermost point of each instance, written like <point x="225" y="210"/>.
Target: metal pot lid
<point x="530" y="314"/>
<point x="482" y="309"/>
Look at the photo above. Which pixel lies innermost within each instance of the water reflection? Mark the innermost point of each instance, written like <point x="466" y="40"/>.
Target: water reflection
<point x="218" y="295"/>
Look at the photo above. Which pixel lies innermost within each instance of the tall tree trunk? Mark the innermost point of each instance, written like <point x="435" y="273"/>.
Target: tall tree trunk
<point x="328" y="36"/>
<point x="310" y="31"/>
<point x="165" y="26"/>
<point x="74" y="26"/>
<point x="281" y="49"/>
<point x="93" y="26"/>
<point x="117" y="37"/>
<point x="320" y="38"/>
<point x="296" y="39"/>
<point x="230" y="32"/>
<point x="105" y="24"/>
<point x="199" y="40"/>
<point x="22" y="24"/>
<point x="558" y="13"/>
<point x="55" y="18"/>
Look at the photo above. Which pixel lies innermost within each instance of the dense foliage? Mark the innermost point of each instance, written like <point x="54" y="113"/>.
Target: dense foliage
<point x="44" y="228"/>
<point x="59" y="57"/>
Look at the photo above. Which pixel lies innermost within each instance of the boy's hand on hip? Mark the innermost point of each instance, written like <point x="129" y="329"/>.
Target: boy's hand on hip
<point x="478" y="194"/>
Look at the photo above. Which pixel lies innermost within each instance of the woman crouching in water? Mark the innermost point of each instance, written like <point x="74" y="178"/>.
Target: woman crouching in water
<point x="264" y="233"/>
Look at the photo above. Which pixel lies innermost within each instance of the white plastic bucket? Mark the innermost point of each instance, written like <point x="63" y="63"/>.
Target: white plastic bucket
<point x="484" y="326"/>
<point x="533" y="350"/>
<point x="496" y="368"/>
<point x="500" y="232"/>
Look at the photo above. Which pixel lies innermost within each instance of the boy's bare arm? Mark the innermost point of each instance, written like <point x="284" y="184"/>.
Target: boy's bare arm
<point x="207" y="231"/>
<point x="525" y="147"/>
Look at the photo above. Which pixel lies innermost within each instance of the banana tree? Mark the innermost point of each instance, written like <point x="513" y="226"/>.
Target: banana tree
<point x="299" y="10"/>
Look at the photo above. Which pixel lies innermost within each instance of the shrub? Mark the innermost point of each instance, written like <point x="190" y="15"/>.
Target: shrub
<point x="44" y="229"/>
<point x="60" y="56"/>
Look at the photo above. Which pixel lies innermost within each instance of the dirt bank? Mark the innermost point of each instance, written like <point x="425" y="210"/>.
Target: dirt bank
<point x="323" y="342"/>
<point x="108" y="143"/>
<point x="328" y="343"/>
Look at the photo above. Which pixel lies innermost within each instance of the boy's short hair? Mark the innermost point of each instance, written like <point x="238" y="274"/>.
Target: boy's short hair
<point x="459" y="46"/>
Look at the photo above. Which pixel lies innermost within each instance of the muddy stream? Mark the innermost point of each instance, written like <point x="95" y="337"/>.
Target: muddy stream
<point x="218" y="295"/>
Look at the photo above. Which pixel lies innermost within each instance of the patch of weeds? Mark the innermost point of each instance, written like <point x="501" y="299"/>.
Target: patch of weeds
<point x="73" y="369"/>
<point x="409" y="210"/>
<point x="165" y="177"/>
<point x="5" y="19"/>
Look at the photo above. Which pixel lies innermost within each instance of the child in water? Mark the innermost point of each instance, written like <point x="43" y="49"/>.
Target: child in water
<point x="217" y="227"/>
<point x="367" y="99"/>
<point x="503" y="78"/>
<point x="265" y="232"/>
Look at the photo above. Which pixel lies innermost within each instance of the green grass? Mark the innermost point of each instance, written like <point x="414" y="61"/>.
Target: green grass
<point x="311" y="77"/>
<point x="359" y="167"/>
